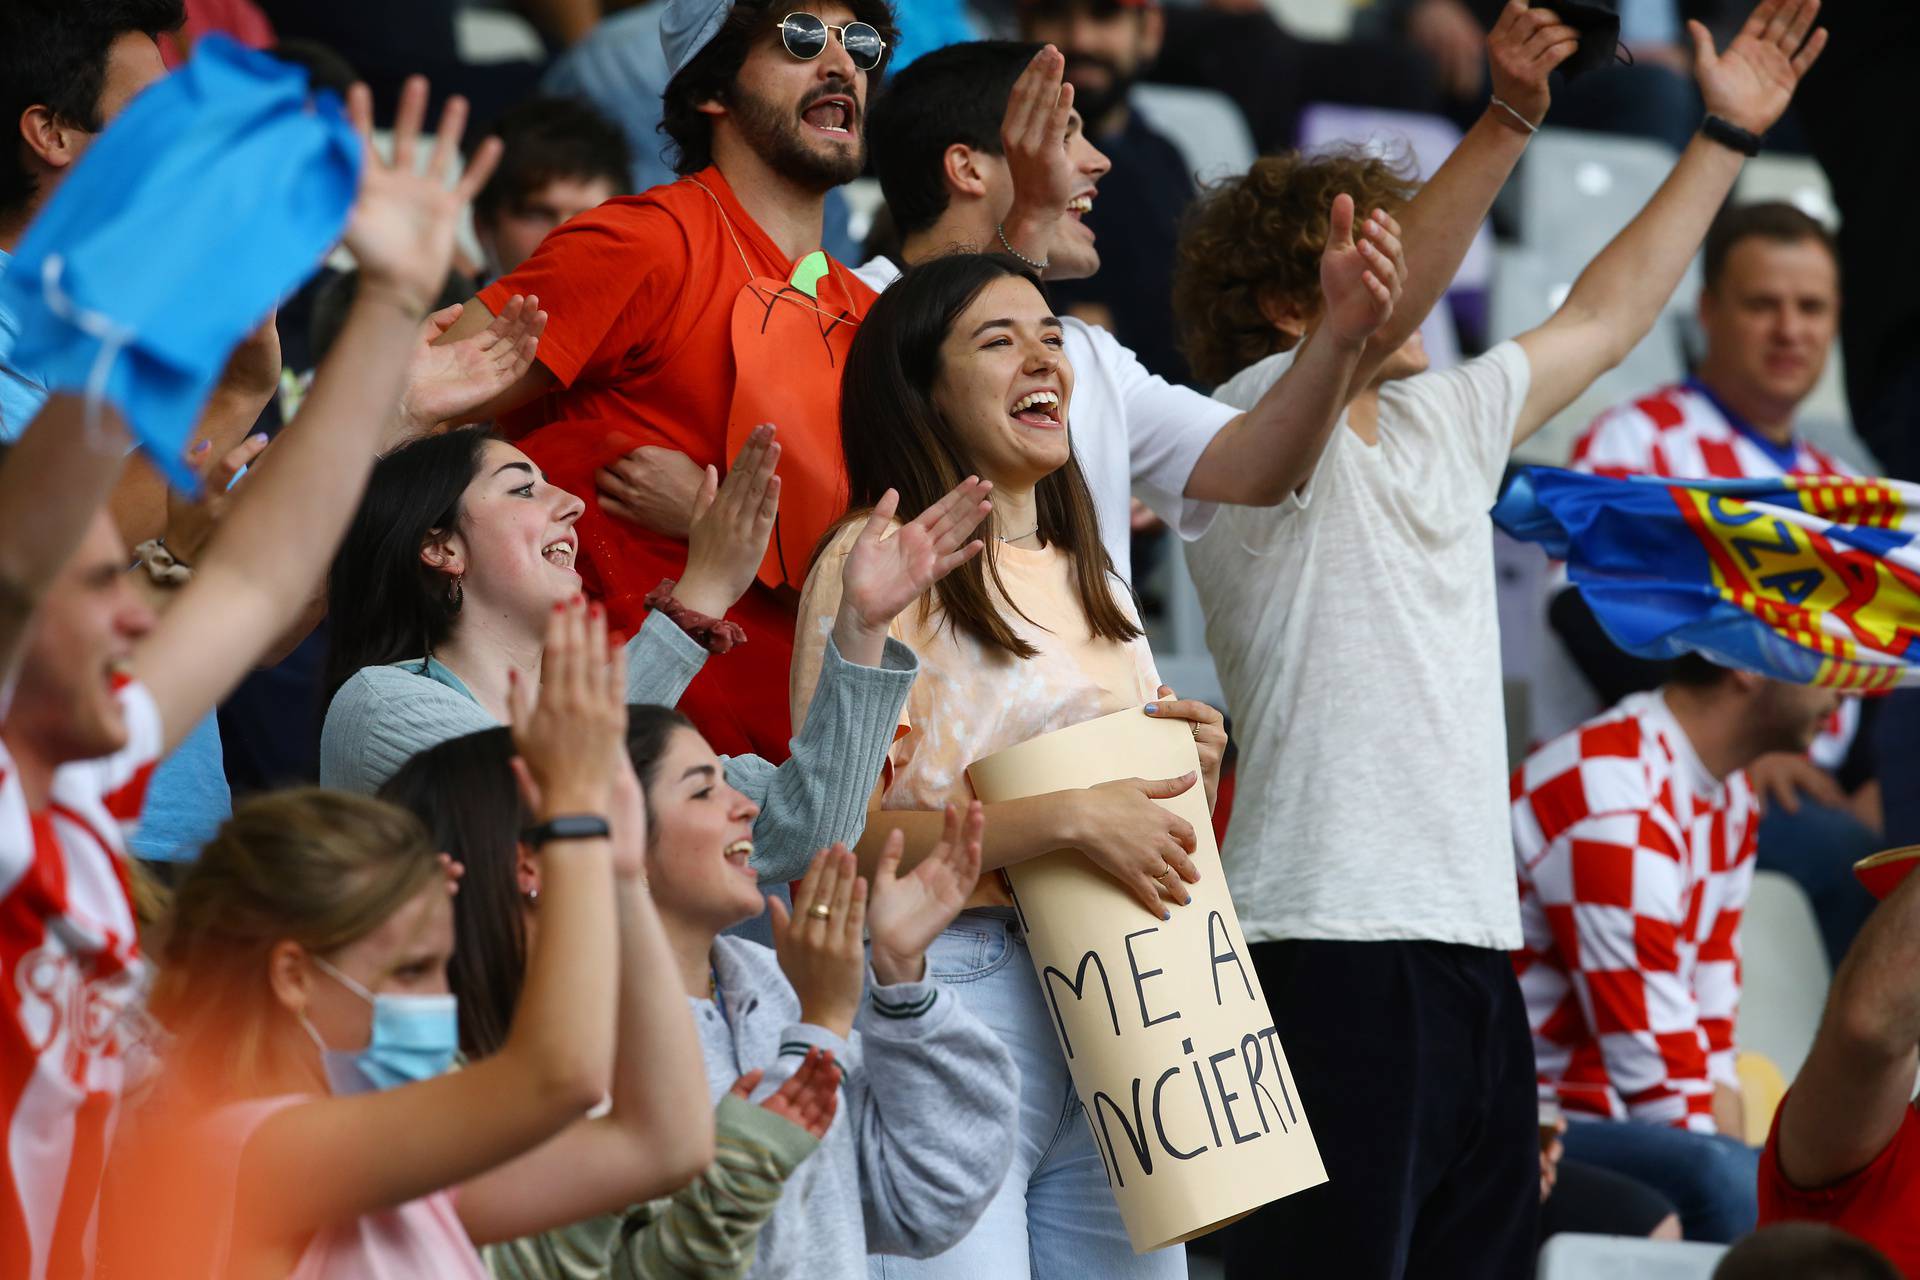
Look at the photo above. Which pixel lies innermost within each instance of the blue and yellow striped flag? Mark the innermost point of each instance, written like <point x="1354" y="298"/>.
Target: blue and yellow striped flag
<point x="1813" y="579"/>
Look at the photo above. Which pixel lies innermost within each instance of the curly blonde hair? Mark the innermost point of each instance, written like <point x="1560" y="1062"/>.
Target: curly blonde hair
<point x="1260" y="235"/>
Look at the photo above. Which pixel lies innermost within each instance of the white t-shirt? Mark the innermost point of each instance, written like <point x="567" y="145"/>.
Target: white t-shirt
<point x="1133" y="431"/>
<point x="1356" y="637"/>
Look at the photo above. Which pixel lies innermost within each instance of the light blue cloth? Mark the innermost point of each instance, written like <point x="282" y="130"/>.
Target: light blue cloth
<point x="926" y="25"/>
<point x="187" y="800"/>
<point x="1055" y="1215"/>
<point x="211" y="197"/>
<point x="21" y="394"/>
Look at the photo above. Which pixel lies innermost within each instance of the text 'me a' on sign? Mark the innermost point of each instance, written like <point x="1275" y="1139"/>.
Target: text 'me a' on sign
<point x="1163" y="1024"/>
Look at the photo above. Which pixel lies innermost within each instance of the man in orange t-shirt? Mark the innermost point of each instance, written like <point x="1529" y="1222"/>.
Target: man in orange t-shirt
<point x="681" y="318"/>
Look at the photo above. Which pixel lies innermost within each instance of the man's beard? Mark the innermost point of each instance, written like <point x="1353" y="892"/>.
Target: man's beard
<point x="1097" y="104"/>
<point x="779" y="136"/>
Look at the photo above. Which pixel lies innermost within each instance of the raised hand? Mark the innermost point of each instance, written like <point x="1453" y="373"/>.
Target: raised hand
<point x="1753" y="81"/>
<point x="1146" y="847"/>
<point x="402" y="225"/>
<point x="820" y="944"/>
<point x="1524" y="46"/>
<point x="808" y="1098"/>
<point x="1033" y="136"/>
<point x="1360" y="279"/>
<point x="732" y="519"/>
<point x="569" y="736"/>
<point x="449" y="383"/>
<point x="908" y="912"/>
<point x="886" y="573"/>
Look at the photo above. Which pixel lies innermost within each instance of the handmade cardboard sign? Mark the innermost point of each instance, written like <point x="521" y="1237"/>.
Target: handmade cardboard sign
<point x="1163" y="1023"/>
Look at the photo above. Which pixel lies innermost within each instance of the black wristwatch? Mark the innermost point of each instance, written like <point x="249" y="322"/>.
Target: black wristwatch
<point x="1729" y="134"/>
<point x="568" y="826"/>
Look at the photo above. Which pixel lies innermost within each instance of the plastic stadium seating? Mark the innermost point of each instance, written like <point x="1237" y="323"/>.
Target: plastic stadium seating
<point x="1206" y="126"/>
<point x="1583" y="1257"/>
<point x="1784" y="973"/>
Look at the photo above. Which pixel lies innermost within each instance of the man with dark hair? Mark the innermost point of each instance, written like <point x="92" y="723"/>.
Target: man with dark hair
<point x="1804" y="1251"/>
<point x="1634" y="838"/>
<point x="684" y="317"/>
<point x="67" y="67"/>
<point x="1769" y="309"/>
<point x="977" y="145"/>
<point x="559" y="158"/>
<point x="1109" y="44"/>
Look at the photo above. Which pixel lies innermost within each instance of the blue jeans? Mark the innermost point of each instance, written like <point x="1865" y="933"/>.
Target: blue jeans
<point x="1713" y="1180"/>
<point x="1054" y="1217"/>
<point x="1817" y="848"/>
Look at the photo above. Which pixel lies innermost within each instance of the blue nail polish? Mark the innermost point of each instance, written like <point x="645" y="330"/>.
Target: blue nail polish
<point x="1152" y="710"/>
<point x="1188" y="902"/>
<point x="1166" y="915"/>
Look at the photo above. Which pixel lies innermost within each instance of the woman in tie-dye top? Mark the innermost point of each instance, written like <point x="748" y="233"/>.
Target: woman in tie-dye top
<point x="958" y="369"/>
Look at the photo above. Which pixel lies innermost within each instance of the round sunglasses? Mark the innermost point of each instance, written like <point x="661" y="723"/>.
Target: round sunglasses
<point x="805" y="37"/>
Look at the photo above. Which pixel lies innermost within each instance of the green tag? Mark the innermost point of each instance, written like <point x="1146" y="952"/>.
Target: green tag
<point x="807" y="272"/>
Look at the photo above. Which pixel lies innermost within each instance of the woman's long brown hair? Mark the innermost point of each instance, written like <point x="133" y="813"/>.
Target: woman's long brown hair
<point x="894" y="437"/>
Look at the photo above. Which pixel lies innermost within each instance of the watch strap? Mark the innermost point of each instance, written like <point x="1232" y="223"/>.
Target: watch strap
<point x="567" y="826"/>
<point x="1728" y="134"/>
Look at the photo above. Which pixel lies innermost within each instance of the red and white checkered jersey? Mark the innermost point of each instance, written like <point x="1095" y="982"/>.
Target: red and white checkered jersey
<point x="1683" y="432"/>
<point x="1635" y="864"/>
<point x="70" y="971"/>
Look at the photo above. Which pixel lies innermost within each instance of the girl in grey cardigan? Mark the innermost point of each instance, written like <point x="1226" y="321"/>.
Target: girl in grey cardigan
<point x="441" y="592"/>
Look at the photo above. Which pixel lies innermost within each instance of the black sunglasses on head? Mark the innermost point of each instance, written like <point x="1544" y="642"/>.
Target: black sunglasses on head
<point x="805" y="37"/>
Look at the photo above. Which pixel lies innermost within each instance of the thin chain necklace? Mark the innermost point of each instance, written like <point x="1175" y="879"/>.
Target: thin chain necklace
<point x="1016" y="537"/>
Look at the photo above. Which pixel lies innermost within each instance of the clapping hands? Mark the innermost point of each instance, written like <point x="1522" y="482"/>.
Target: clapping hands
<point x="820" y="942"/>
<point x="569" y="736"/>
<point x="449" y="382"/>
<point x="1360" y="277"/>
<point x="732" y="519"/>
<point x="885" y="573"/>
<point x="908" y="912"/>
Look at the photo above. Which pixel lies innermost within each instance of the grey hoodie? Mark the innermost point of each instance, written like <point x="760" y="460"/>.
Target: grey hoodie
<point x="925" y="1129"/>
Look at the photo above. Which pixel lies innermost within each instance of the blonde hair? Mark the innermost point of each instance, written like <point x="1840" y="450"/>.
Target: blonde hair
<point x="320" y="868"/>
<point x="1259" y="236"/>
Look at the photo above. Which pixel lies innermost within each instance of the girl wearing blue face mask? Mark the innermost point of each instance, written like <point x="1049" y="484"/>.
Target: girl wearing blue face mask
<point x="303" y="1122"/>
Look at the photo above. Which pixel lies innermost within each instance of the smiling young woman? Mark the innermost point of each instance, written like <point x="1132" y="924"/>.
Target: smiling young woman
<point x="959" y="370"/>
<point x="461" y="552"/>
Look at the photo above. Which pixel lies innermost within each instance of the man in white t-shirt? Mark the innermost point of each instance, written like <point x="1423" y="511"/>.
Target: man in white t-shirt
<point x="1355" y="632"/>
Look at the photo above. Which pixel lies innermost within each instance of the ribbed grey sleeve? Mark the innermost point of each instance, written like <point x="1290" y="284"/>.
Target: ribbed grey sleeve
<point x="820" y="794"/>
<point x="662" y="661"/>
<point x="934" y="1110"/>
<point x="383" y="717"/>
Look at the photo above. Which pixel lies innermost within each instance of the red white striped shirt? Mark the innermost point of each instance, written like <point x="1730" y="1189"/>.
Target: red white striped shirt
<point x="1684" y="431"/>
<point x="1634" y="866"/>
<point x="70" y="972"/>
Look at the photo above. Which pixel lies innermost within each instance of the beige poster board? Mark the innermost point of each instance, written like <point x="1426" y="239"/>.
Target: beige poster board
<point x="1164" y="1026"/>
